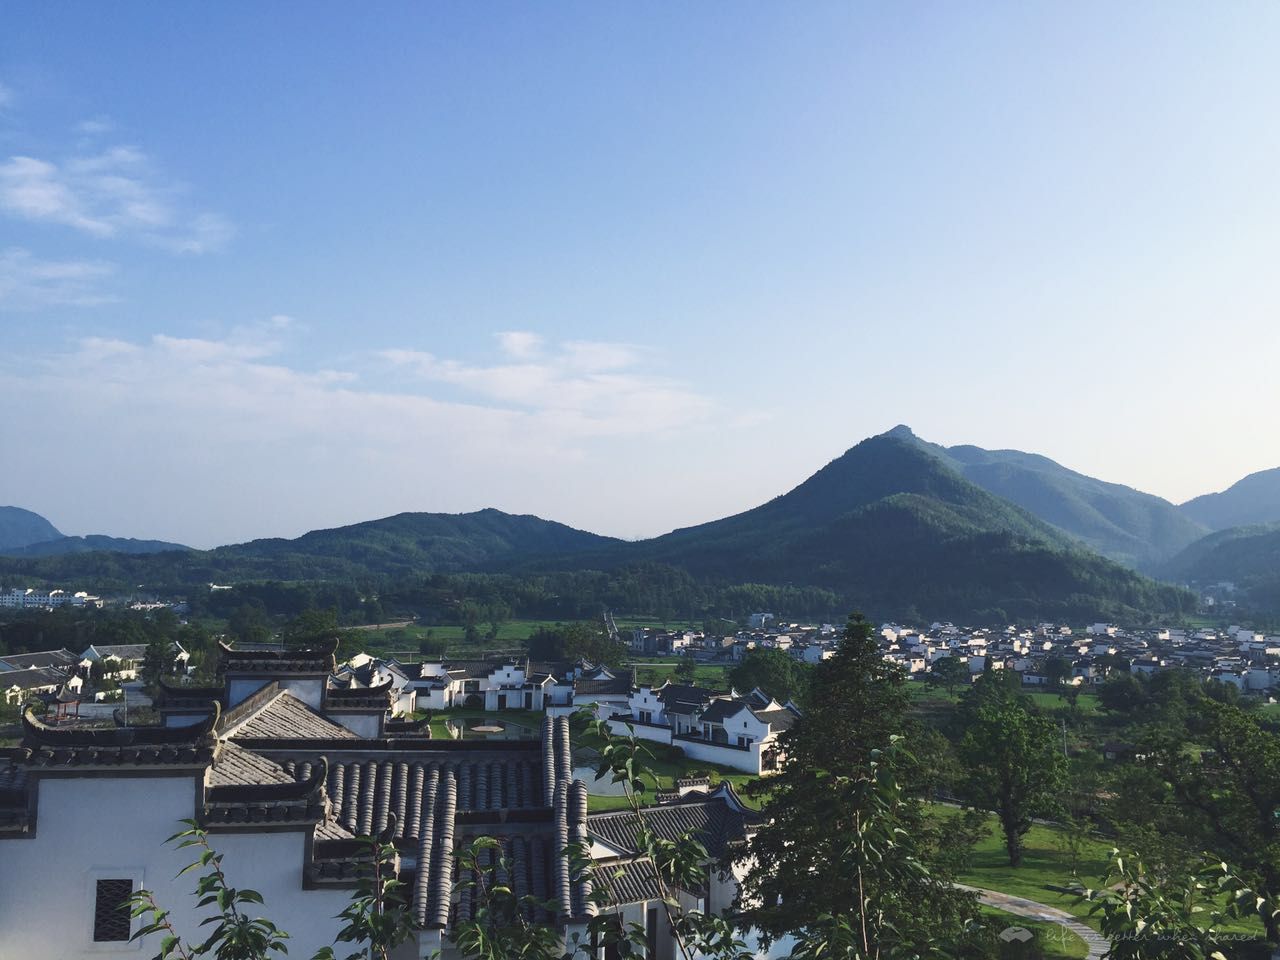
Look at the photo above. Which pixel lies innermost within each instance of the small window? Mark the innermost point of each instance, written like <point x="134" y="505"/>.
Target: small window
<point x="111" y="920"/>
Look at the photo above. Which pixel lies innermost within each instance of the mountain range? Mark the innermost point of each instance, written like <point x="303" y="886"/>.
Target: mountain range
<point x="27" y="534"/>
<point x="894" y="524"/>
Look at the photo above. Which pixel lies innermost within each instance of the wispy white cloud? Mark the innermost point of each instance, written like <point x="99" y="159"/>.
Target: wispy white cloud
<point x="114" y="192"/>
<point x="519" y="344"/>
<point x="30" y="283"/>
<point x="233" y="424"/>
<point x="6" y="96"/>
<point x="96" y="126"/>
<point x="588" y="388"/>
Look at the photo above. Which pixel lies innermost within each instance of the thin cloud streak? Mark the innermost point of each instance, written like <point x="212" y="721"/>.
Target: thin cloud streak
<point x="178" y="428"/>
<point x="111" y="193"/>
<point x="30" y="283"/>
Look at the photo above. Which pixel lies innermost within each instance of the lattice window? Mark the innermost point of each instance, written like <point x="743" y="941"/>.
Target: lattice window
<point x="111" y="919"/>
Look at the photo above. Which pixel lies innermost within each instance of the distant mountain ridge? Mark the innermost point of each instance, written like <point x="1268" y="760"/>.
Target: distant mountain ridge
<point x="891" y="525"/>
<point x="1124" y="524"/>
<point x="1248" y="502"/>
<point x="19" y="527"/>
<point x="434" y="541"/>
<point x="1246" y="557"/>
<point x="24" y="533"/>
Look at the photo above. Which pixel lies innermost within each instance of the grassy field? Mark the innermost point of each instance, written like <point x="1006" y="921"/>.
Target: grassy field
<point x="440" y="718"/>
<point x="1057" y="942"/>
<point x="1045" y="872"/>
<point x="511" y="635"/>
<point x="656" y="670"/>
<point x="927" y="693"/>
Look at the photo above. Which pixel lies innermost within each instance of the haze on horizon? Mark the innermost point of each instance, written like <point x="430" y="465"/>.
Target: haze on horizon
<point x="629" y="269"/>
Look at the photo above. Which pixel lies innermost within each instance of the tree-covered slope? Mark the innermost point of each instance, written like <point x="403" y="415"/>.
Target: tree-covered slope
<point x="887" y="526"/>
<point x="19" y="527"/>
<point x="424" y="542"/>
<point x="1127" y="525"/>
<point x="1248" y="557"/>
<point x="91" y="544"/>
<point x="1248" y="502"/>
<point x="892" y="527"/>
<point x="1237" y="554"/>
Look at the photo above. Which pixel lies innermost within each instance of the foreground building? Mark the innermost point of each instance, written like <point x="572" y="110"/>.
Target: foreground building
<point x="285" y="764"/>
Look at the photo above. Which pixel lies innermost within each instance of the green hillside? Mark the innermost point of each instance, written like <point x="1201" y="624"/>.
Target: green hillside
<point x="1248" y="502"/>
<point x="1248" y="557"/>
<point x="1127" y="525"/>
<point x="410" y="542"/>
<point x="890" y="526"/>
<point x="91" y="544"/>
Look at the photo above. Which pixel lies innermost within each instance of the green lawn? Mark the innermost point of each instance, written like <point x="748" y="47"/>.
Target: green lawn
<point x="656" y="670"/>
<point x="1057" y="942"/>
<point x="511" y="635"/>
<point x="667" y="765"/>
<point x="927" y="693"/>
<point x="1045" y="871"/>
<point x="439" y="719"/>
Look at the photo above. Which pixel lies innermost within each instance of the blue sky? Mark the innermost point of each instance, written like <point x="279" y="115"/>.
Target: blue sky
<point x="265" y="268"/>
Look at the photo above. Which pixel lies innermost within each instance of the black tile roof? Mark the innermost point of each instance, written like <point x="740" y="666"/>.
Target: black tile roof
<point x="121" y="651"/>
<point x="315" y="659"/>
<point x="613" y="686"/>
<point x="284" y="716"/>
<point x="679" y="698"/>
<point x="32" y="678"/>
<point x="63" y="748"/>
<point x="719" y="710"/>
<point x="629" y="881"/>
<point x="46" y="658"/>
<point x="713" y="821"/>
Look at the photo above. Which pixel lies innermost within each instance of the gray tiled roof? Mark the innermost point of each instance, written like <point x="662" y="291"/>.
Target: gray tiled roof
<point x="613" y="686"/>
<point x="284" y="716"/>
<point x="718" y="711"/>
<point x="629" y="881"/>
<point x="236" y="766"/>
<point x="712" y="821"/>
<point x="679" y="698"/>
<point x="122" y="651"/>
<point x="31" y="679"/>
<point x="46" y="658"/>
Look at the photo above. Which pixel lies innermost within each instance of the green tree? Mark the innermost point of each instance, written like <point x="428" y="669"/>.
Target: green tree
<point x="774" y="671"/>
<point x="840" y="785"/>
<point x="156" y="662"/>
<point x="569" y="641"/>
<point x="686" y="670"/>
<point x="948" y="672"/>
<point x="1182" y="917"/>
<point x="1057" y="670"/>
<point x="1227" y="800"/>
<point x="1014" y="768"/>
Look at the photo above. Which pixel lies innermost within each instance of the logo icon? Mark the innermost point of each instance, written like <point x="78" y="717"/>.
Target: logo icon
<point x="1021" y="934"/>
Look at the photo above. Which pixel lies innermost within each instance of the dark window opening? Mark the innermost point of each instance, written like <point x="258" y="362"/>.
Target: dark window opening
<point x="111" y="920"/>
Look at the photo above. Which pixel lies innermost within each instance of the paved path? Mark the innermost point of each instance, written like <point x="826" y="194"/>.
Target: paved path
<point x="1032" y="910"/>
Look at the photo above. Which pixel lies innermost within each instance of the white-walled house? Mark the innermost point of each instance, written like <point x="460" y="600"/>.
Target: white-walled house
<point x="730" y="730"/>
<point x="283" y="788"/>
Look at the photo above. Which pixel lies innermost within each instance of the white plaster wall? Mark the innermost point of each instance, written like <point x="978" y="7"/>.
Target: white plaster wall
<point x="748" y="761"/>
<point x="361" y="724"/>
<point x="642" y="732"/>
<point x="309" y="690"/>
<point x="47" y="882"/>
<point x="242" y="688"/>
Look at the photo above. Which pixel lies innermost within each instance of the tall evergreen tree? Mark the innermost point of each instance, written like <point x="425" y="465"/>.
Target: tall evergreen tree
<point x="839" y="784"/>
